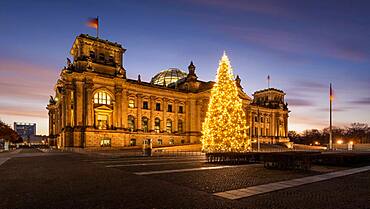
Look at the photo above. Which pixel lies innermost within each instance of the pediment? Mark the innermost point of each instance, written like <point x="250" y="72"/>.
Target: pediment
<point x="103" y="108"/>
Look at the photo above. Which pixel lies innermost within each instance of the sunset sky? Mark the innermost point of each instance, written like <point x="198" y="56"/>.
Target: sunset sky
<point x="302" y="45"/>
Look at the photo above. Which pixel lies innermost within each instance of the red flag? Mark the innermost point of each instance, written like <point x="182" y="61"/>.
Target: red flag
<point x="93" y="23"/>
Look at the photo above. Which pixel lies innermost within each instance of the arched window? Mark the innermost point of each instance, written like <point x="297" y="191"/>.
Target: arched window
<point x="131" y="123"/>
<point x="110" y="59"/>
<point x="144" y="124"/>
<point x="101" y="57"/>
<point x="92" y="54"/>
<point x="131" y="103"/>
<point x="169" y="126"/>
<point x="157" y="125"/>
<point x="179" y="126"/>
<point x="102" y="97"/>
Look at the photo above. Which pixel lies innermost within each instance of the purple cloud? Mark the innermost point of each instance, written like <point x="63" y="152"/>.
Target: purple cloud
<point x="299" y="102"/>
<point x="305" y="43"/>
<point x="260" y="7"/>
<point x="362" y="101"/>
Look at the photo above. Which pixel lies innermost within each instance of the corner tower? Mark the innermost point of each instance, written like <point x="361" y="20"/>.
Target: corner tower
<point x="97" y="55"/>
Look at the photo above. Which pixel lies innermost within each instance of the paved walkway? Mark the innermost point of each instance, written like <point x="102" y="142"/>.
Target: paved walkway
<point x="255" y="190"/>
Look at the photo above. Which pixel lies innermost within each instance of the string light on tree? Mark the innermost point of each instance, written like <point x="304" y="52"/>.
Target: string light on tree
<point x="224" y="128"/>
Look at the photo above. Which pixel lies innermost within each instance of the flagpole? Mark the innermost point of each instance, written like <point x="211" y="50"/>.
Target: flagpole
<point x="331" y="128"/>
<point x="268" y="81"/>
<point x="97" y="28"/>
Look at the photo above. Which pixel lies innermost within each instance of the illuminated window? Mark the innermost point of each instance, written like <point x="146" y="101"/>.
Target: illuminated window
<point x="179" y="126"/>
<point x="131" y="103"/>
<point x="133" y="142"/>
<point x="102" y="97"/>
<point x="144" y="124"/>
<point x="181" y="109"/>
<point x="105" y="142"/>
<point x="160" y="142"/>
<point x="102" y="121"/>
<point x="158" y="106"/>
<point x="172" y="142"/>
<point x="157" y="125"/>
<point x="145" y="105"/>
<point x="169" y="108"/>
<point x="146" y="141"/>
<point x="169" y="126"/>
<point x="131" y="123"/>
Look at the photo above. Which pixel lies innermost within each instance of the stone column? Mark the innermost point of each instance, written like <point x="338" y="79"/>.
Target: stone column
<point x="63" y="109"/>
<point x="124" y="108"/>
<point x="286" y="125"/>
<point x="176" y="117"/>
<point x="164" y="119"/>
<point x="68" y="103"/>
<point x="273" y="125"/>
<point x="79" y="103"/>
<point x="139" y="107"/>
<point x="193" y="120"/>
<point x="89" y="104"/>
<point x="152" y="109"/>
<point x="118" y="106"/>
<point x="198" y="104"/>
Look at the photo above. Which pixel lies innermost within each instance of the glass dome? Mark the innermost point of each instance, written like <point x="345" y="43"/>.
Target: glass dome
<point x="166" y="77"/>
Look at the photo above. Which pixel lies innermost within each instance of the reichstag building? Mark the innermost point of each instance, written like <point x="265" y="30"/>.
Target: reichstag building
<point x="96" y="105"/>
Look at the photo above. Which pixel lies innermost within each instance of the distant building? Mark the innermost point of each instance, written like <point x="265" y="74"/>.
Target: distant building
<point x="38" y="139"/>
<point x="25" y="130"/>
<point x="96" y="105"/>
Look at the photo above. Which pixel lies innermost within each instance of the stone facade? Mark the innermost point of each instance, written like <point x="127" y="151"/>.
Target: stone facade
<point x="95" y="105"/>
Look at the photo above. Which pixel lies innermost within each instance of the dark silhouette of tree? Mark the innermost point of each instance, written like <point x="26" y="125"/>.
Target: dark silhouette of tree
<point x="356" y="132"/>
<point x="8" y="134"/>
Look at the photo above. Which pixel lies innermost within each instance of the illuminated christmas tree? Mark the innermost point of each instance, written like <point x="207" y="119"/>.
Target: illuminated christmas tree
<point x="224" y="128"/>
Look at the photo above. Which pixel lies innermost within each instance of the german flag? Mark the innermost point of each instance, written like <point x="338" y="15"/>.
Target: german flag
<point x="331" y="93"/>
<point x="93" y="22"/>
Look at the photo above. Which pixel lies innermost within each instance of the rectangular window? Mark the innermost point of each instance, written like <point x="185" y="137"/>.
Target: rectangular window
<point x="145" y="105"/>
<point x="255" y="119"/>
<point x="261" y="119"/>
<point x="181" y="109"/>
<point x="133" y="142"/>
<point x="131" y="103"/>
<point x="158" y="106"/>
<point x="105" y="142"/>
<point x="160" y="142"/>
<point x="255" y="131"/>
<point x="169" y="108"/>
